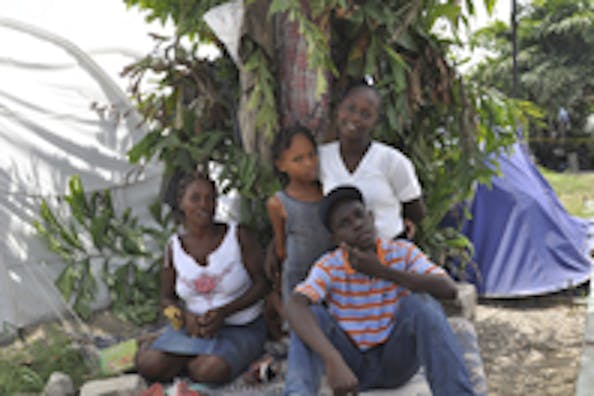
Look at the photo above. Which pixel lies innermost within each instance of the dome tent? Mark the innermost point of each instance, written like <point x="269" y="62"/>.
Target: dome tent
<point x="525" y="241"/>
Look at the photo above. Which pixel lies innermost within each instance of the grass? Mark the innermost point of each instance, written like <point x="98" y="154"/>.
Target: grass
<point x="575" y="191"/>
<point x="26" y="368"/>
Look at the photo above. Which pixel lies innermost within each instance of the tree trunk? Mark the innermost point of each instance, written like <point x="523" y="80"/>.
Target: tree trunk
<point x="297" y="79"/>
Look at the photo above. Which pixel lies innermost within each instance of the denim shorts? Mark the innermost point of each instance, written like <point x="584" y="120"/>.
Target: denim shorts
<point x="237" y="345"/>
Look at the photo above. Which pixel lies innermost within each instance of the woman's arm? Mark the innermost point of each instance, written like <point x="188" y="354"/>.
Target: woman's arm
<point x="414" y="210"/>
<point x="252" y="256"/>
<point x="173" y="307"/>
<point x="277" y="215"/>
<point x="168" y="277"/>
<point x="412" y="214"/>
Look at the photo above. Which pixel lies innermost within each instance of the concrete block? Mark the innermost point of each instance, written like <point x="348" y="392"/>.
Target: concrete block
<point x="417" y="386"/>
<point x="585" y="380"/>
<point x="124" y="385"/>
<point x="468" y="340"/>
<point x="465" y="302"/>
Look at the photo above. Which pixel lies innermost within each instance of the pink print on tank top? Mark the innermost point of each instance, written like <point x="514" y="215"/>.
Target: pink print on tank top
<point x="205" y="284"/>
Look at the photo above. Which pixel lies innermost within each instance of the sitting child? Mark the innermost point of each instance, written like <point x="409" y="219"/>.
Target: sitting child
<point x="379" y="322"/>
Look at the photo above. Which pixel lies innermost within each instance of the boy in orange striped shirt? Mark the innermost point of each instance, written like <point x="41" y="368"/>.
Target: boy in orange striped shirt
<point x="379" y="322"/>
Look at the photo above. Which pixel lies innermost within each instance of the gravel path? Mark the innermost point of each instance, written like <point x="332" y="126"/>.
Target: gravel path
<point x="531" y="347"/>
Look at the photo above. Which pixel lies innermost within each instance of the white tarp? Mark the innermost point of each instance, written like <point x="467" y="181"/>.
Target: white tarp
<point x="50" y="130"/>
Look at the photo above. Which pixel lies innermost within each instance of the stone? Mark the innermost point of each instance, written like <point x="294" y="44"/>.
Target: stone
<point x="464" y="304"/>
<point x="417" y="386"/>
<point x="124" y="385"/>
<point x="58" y="384"/>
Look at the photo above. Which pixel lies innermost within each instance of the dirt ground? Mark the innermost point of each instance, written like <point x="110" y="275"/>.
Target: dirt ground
<point x="531" y="346"/>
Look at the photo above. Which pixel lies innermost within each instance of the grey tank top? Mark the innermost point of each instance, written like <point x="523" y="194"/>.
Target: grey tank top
<point x="306" y="239"/>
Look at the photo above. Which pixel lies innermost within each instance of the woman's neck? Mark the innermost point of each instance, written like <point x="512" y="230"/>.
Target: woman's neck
<point x="200" y="231"/>
<point x="354" y="147"/>
<point x="352" y="152"/>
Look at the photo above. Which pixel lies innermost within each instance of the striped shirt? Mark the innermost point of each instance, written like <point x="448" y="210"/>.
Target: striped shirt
<point x="366" y="308"/>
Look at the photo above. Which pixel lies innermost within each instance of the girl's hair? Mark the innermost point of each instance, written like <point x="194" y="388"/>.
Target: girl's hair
<point x="182" y="186"/>
<point x="355" y="84"/>
<point x="282" y="141"/>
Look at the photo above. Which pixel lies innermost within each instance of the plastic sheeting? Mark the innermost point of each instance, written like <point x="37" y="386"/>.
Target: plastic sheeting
<point x="525" y="241"/>
<point x="49" y="131"/>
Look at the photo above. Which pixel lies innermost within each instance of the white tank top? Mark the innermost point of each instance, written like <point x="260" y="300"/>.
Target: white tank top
<point x="218" y="283"/>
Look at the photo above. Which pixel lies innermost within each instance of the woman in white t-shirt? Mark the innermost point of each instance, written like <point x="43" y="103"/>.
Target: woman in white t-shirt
<point x="212" y="285"/>
<point x="386" y="176"/>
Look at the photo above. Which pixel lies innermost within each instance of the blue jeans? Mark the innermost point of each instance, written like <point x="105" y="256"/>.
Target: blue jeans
<point x="421" y="336"/>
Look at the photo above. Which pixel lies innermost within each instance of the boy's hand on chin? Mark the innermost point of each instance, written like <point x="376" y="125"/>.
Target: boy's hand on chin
<point x="364" y="261"/>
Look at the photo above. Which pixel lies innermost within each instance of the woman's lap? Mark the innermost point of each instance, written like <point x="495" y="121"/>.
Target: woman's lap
<point x="238" y="346"/>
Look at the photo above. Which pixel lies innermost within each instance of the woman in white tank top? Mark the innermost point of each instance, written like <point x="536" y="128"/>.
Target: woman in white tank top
<point x="212" y="285"/>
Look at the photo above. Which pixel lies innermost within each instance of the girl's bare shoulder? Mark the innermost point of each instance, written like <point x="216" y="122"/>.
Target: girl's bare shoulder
<point x="274" y="204"/>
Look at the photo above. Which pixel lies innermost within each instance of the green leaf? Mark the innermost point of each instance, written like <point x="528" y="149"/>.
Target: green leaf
<point x="321" y="83"/>
<point x="451" y="11"/>
<point x="131" y="244"/>
<point x="82" y="306"/>
<point x="98" y="229"/>
<point x="460" y="242"/>
<point x="156" y="211"/>
<point x="54" y="226"/>
<point x="66" y="281"/>
<point x="278" y="6"/>
<point x="77" y="199"/>
<point x="489" y="5"/>
<point x="145" y="148"/>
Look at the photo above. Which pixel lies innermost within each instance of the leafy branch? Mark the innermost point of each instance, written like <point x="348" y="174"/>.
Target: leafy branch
<point x="90" y="231"/>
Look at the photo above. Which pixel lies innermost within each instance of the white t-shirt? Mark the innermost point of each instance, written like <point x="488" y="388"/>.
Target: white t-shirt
<point x="385" y="176"/>
<point x="204" y="287"/>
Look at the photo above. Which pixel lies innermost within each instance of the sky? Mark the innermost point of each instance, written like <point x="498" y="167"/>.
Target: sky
<point x="501" y="11"/>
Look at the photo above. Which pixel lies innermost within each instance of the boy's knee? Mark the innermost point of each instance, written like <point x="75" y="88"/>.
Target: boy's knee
<point x="422" y="302"/>
<point x="211" y="369"/>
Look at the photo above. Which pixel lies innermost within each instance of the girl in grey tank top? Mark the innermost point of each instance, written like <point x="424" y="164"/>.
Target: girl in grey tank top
<point x="299" y="236"/>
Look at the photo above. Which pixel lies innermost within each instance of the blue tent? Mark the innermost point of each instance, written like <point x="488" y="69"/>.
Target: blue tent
<point x="525" y="241"/>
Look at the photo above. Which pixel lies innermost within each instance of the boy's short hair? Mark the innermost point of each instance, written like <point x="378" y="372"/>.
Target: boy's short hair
<point x="334" y="197"/>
